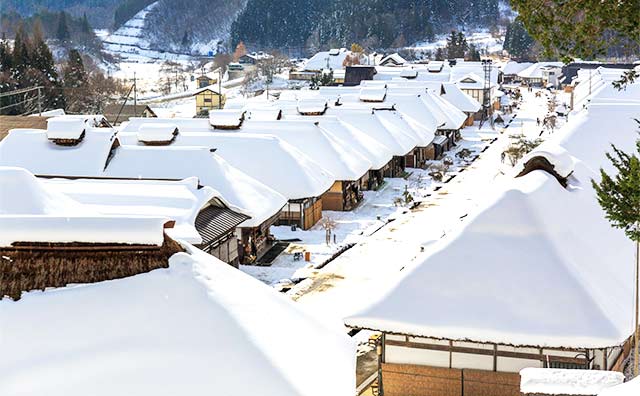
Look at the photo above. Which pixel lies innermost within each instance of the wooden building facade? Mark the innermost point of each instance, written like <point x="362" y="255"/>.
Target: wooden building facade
<point x="421" y="366"/>
<point x="256" y="241"/>
<point x="304" y="213"/>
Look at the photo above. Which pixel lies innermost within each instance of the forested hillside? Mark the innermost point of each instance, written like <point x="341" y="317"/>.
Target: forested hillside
<point x="99" y="12"/>
<point x="375" y="23"/>
<point x="182" y="24"/>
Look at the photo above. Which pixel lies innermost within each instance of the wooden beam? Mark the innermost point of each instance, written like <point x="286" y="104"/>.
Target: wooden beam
<point x="486" y="352"/>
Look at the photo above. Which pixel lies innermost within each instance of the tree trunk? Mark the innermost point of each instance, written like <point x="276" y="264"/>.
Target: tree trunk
<point x="636" y="328"/>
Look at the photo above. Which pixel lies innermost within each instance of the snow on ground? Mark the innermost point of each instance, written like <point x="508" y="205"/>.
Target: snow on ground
<point x="547" y="381"/>
<point x="348" y="283"/>
<point x="483" y="40"/>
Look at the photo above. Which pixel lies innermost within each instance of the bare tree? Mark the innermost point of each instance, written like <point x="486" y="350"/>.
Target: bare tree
<point x="329" y="225"/>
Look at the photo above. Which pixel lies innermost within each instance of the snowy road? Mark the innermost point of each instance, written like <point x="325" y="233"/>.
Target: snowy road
<point x="363" y="273"/>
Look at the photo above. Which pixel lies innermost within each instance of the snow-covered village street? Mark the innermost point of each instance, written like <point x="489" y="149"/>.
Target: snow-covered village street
<point x="319" y="197"/>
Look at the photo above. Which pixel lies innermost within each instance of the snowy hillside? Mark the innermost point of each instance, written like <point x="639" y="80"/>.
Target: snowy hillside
<point x="130" y="44"/>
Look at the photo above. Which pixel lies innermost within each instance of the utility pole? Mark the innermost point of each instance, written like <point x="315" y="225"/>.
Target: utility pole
<point x="39" y="101"/>
<point x="135" y="95"/>
<point x="220" y="87"/>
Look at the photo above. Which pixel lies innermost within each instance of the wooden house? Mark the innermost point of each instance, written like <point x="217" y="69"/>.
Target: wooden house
<point x="392" y="60"/>
<point x="208" y="98"/>
<point x="274" y="162"/>
<point x="204" y="81"/>
<point x="466" y="321"/>
<point x="358" y="73"/>
<point x="117" y="113"/>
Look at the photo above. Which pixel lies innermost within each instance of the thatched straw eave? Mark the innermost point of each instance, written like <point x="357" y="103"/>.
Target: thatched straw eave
<point x="27" y="266"/>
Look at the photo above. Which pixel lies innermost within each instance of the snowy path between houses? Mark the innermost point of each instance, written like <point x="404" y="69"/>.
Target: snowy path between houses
<point x="362" y="274"/>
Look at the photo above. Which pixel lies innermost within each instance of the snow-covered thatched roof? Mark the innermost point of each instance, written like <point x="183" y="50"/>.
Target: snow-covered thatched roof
<point x="226" y="118"/>
<point x="535" y="232"/>
<point x="196" y="327"/>
<point x="60" y="128"/>
<point x="535" y="70"/>
<point x="241" y="191"/>
<point x="179" y="201"/>
<point x="332" y="59"/>
<point x="32" y="150"/>
<point x="157" y="133"/>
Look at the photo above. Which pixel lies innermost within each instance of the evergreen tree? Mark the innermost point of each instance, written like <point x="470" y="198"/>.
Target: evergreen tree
<point x="85" y="27"/>
<point x="619" y="196"/>
<point x="6" y="59"/>
<point x="456" y="45"/>
<point x="517" y="42"/>
<point x="186" y="40"/>
<point x="76" y="79"/>
<point x="62" y="33"/>
<point x="473" y="54"/>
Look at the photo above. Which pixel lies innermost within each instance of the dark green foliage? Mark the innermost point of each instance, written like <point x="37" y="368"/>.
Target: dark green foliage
<point x="127" y="9"/>
<point x="60" y="25"/>
<point x="619" y="195"/>
<point x="99" y="12"/>
<point x="457" y="45"/>
<point x="62" y="33"/>
<point x="518" y="42"/>
<point x="296" y="24"/>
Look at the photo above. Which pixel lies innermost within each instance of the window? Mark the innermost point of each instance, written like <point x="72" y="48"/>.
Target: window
<point x="565" y="365"/>
<point x="207" y="100"/>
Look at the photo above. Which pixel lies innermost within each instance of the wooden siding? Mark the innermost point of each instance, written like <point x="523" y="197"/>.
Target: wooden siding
<point x="414" y="380"/>
<point x="312" y="214"/>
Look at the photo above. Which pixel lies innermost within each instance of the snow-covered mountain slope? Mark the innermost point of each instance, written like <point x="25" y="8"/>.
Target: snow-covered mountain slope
<point x="129" y="42"/>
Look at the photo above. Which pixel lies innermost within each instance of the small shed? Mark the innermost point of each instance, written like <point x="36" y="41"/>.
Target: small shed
<point x="204" y="81"/>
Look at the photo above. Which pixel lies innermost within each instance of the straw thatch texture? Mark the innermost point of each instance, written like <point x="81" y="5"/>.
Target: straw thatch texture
<point x="36" y="266"/>
<point x="541" y="163"/>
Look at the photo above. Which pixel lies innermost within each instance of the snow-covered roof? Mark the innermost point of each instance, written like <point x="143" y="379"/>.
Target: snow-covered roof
<point x="157" y="133"/>
<point x="197" y="327"/>
<point x="226" y="118"/>
<point x="441" y="109"/>
<point x="597" y="87"/>
<point x="180" y="201"/>
<point x="312" y="106"/>
<point x="31" y="212"/>
<point x="342" y="161"/>
<point x="393" y="59"/>
<point x="32" y="150"/>
<point x="383" y="132"/>
<point x="534" y="233"/>
<point x="49" y="113"/>
<point x="408" y="73"/>
<point x="358" y="139"/>
<point x="61" y="128"/>
<point x="332" y="59"/>
<point x="512" y="68"/>
<point x="535" y="70"/>
<point x="241" y="191"/>
<point x="183" y="124"/>
<point x="631" y="388"/>
<point x="267" y="114"/>
<point x="470" y="81"/>
<point x="373" y="94"/>
<point x="81" y="229"/>
<point x="267" y="158"/>
<point x="563" y="163"/>
<point x="548" y="381"/>
<point x="459" y="99"/>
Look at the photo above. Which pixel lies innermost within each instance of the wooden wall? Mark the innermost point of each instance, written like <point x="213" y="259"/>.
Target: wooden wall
<point x="334" y="198"/>
<point x="312" y="214"/>
<point x="414" y="380"/>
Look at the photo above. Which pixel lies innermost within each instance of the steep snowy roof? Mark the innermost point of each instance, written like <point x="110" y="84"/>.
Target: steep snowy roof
<point x="241" y="191"/>
<point x="197" y="327"/>
<point x="459" y="99"/>
<point x="327" y="60"/>
<point x="267" y="158"/>
<point x="534" y="233"/>
<point x="394" y="59"/>
<point x="180" y="201"/>
<point x="342" y="161"/>
<point x="312" y="106"/>
<point x="384" y="132"/>
<point x="512" y="68"/>
<point x="358" y="139"/>
<point x="470" y="81"/>
<point x="442" y="109"/>
<point x="548" y="381"/>
<point x="563" y="163"/>
<point x="32" y="150"/>
<point x="535" y="70"/>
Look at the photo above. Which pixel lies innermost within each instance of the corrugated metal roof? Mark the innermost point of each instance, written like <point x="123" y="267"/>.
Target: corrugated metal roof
<point x="214" y="222"/>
